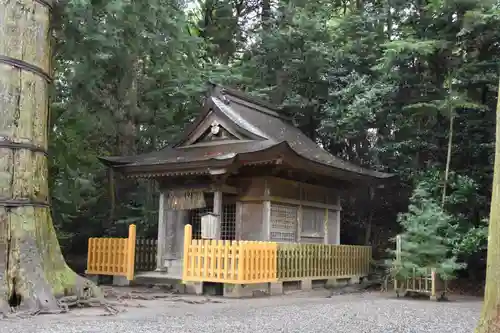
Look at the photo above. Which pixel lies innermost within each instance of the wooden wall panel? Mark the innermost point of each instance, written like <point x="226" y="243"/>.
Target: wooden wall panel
<point x="283" y="188"/>
<point x="252" y="222"/>
<point x="252" y="187"/>
<point x="311" y="240"/>
<point x="313" y="220"/>
<point x="283" y="223"/>
<point x="288" y="189"/>
<point x="333" y="227"/>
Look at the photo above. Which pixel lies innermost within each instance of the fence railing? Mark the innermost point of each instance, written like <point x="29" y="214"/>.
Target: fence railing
<point x="112" y="256"/>
<point x="245" y="262"/>
<point x="322" y="261"/>
<point x="238" y="262"/>
<point x="427" y="282"/>
<point x="145" y="254"/>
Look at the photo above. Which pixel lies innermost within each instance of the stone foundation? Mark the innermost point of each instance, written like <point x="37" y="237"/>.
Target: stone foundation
<point x="236" y="290"/>
<point x="269" y="289"/>
<point x="275" y="288"/>
<point x="120" y="281"/>
<point x="246" y="290"/>
<point x="306" y="284"/>
<point x="195" y="288"/>
<point x="93" y="278"/>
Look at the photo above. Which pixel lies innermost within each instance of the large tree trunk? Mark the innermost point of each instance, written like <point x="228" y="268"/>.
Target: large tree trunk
<point x="266" y="14"/>
<point x="33" y="272"/>
<point x="490" y="316"/>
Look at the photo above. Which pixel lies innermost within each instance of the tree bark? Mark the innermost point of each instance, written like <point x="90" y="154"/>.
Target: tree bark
<point x="450" y="141"/>
<point x="266" y="14"/>
<point x="490" y="315"/>
<point x="33" y="272"/>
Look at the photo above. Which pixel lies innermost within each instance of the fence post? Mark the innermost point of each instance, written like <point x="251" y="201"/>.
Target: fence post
<point x="274" y="261"/>
<point x="131" y="251"/>
<point x="90" y="256"/>
<point x="241" y="261"/>
<point x="398" y="249"/>
<point x="433" y="283"/>
<point x="188" y="237"/>
<point x="370" y="258"/>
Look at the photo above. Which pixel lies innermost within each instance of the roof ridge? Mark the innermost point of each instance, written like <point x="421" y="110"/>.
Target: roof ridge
<point x="272" y="110"/>
<point x="242" y="122"/>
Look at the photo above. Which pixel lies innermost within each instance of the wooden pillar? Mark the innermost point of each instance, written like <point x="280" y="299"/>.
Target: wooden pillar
<point x="160" y="267"/>
<point x="217" y="210"/>
<point x="325" y="226"/>
<point x="266" y="214"/>
<point x="239" y="220"/>
<point x="174" y="241"/>
<point x="299" y="223"/>
<point x="338" y="227"/>
<point x="170" y="228"/>
<point x="300" y="214"/>
<point x="182" y="218"/>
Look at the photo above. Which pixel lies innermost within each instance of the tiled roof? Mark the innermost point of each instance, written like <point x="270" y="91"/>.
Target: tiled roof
<point x="251" y="116"/>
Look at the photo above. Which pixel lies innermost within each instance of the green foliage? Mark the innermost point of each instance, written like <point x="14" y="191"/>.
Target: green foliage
<point x="425" y="240"/>
<point x="129" y="77"/>
<point x="374" y="82"/>
<point x="469" y="234"/>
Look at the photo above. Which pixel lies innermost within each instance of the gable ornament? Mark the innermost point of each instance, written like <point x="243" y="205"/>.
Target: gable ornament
<point x="215" y="128"/>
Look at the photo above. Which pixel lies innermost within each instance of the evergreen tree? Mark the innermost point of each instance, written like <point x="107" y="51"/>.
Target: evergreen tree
<point x="375" y="82"/>
<point x="425" y="240"/>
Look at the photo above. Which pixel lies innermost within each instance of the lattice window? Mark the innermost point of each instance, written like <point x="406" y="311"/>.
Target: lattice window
<point x="283" y="223"/>
<point x="313" y="220"/>
<point x="195" y="220"/>
<point x="228" y="225"/>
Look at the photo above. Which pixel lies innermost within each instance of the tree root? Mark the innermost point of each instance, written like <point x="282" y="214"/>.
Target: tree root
<point x="88" y="295"/>
<point x="150" y="296"/>
<point x="65" y="303"/>
<point x="34" y="278"/>
<point x="68" y="302"/>
<point x="171" y="297"/>
<point x="84" y="294"/>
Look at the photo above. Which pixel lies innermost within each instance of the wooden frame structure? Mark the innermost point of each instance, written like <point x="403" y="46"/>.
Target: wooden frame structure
<point x="244" y="161"/>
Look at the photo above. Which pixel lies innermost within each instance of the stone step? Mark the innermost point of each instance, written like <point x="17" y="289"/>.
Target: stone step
<point x="164" y="279"/>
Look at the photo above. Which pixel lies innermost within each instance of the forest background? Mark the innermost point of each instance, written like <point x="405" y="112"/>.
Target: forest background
<point x="403" y="86"/>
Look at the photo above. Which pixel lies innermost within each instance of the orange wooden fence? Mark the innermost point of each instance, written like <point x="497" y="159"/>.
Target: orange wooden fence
<point x="112" y="256"/>
<point x="238" y="262"/>
<point x="245" y="262"/>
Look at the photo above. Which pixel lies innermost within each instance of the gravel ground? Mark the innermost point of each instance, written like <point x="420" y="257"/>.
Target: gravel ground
<point x="300" y="313"/>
